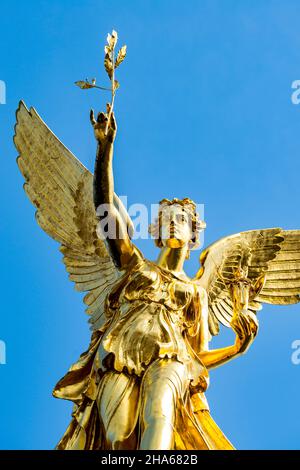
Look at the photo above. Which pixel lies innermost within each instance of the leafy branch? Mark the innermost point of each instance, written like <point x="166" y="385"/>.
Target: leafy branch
<point x="111" y="62"/>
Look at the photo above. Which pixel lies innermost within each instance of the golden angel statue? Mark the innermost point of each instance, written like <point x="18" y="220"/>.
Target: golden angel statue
<point x="141" y="384"/>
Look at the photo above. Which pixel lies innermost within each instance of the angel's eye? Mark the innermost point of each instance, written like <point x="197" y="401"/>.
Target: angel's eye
<point x="165" y="218"/>
<point x="181" y="218"/>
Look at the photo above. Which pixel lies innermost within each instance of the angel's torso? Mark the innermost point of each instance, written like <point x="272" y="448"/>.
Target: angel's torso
<point x="152" y="313"/>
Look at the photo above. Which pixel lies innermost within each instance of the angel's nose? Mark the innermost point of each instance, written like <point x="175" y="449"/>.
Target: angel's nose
<point x="172" y="218"/>
<point x="172" y="224"/>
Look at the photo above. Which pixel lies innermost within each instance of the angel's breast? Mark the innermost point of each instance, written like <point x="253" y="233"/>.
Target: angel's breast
<point x="150" y="284"/>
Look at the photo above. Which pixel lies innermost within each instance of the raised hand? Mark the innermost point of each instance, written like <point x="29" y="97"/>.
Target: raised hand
<point x="105" y="127"/>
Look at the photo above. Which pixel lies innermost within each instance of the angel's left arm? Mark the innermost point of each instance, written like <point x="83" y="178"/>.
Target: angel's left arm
<point x="216" y="357"/>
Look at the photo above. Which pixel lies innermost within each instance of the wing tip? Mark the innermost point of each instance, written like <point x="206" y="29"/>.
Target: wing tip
<point x="21" y="106"/>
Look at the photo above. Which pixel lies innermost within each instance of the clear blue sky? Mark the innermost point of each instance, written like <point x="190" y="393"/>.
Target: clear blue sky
<point x="204" y="110"/>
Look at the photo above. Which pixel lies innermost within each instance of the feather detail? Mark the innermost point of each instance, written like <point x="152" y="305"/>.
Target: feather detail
<point x="60" y="188"/>
<point x="273" y="252"/>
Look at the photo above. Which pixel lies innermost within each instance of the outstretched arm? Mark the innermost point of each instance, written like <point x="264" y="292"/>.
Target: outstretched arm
<point x="218" y="357"/>
<point x="245" y="325"/>
<point x="112" y="225"/>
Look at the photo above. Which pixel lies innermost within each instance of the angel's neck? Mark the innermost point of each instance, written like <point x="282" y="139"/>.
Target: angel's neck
<point x="172" y="258"/>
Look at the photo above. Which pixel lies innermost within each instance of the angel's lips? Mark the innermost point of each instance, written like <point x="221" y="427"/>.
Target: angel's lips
<point x="173" y="232"/>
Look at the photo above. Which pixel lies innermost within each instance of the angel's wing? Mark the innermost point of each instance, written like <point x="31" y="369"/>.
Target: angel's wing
<point x="60" y="187"/>
<point x="273" y="252"/>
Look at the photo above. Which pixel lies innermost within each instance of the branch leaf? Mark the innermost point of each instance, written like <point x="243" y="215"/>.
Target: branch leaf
<point x="121" y="56"/>
<point x="114" y="36"/>
<point x="108" y="65"/>
<point x="112" y="39"/>
<point x="109" y="39"/>
<point x="84" y="85"/>
<point x="116" y="84"/>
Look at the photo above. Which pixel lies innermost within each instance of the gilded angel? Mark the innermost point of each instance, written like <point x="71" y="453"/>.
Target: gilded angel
<point x="141" y="383"/>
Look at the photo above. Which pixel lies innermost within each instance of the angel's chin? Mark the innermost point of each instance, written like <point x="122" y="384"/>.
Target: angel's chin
<point x="174" y="243"/>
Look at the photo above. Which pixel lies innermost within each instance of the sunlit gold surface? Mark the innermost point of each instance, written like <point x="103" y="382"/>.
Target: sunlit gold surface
<point x="141" y="384"/>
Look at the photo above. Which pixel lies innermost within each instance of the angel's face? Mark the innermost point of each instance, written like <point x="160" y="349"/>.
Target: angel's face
<point x="175" y="226"/>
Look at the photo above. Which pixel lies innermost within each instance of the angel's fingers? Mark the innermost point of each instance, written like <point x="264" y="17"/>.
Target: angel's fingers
<point x="252" y="315"/>
<point x="255" y="321"/>
<point x="92" y="117"/>
<point x="245" y="325"/>
<point x="237" y="328"/>
<point x="239" y="332"/>
<point x="254" y="332"/>
<point x="254" y="327"/>
<point x="253" y="337"/>
<point x="113" y="121"/>
<point x="101" y="118"/>
<point x="249" y="327"/>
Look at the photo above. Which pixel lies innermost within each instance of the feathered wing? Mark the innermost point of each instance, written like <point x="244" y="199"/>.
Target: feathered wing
<point x="60" y="187"/>
<point x="272" y="252"/>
